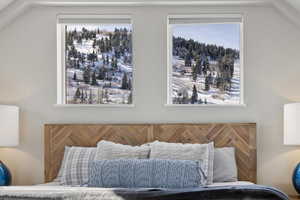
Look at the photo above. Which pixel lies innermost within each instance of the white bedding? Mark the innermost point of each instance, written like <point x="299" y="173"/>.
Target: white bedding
<point x="212" y="185"/>
<point x="231" y="183"/>
<point x="49" y="184"/>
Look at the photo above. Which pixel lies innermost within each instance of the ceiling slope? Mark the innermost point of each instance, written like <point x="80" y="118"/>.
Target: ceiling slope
<point x="289" y="9"/>
<point x="11" y="9"/>
<point x="294" y="3"/>
<point x="4" y="3"/>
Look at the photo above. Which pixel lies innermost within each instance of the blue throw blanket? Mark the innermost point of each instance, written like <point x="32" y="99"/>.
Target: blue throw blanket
<point x="245" y="192"/>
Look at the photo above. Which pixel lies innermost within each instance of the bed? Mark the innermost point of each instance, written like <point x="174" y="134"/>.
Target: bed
<point x="241" y="136"/>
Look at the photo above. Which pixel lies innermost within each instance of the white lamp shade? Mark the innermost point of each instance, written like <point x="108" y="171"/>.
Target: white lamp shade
<point x="9" y="126"/>
<point x="292" y="124"/>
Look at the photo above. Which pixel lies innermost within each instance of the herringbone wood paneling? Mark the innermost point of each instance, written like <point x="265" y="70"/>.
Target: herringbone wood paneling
<point x="242" y="136"/>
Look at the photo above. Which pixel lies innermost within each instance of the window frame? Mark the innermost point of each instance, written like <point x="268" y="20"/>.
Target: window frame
<point x="61" y="68"/>
<point x="204" y="18"/>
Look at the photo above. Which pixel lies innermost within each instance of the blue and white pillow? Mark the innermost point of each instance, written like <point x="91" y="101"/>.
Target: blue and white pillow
<point x="146" y="173"/>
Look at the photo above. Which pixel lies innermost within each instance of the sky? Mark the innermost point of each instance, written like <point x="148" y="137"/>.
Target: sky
<point x="226" y="35"/>
<point x="106" y="27"/>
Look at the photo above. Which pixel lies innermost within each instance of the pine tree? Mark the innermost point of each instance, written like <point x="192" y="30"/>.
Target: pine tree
<point x="101" y="45"/>
<point x="87" y="75"/>
<point x="91" y="97"/>
<point x="82" y="97"/>
<point x="92" y="57"/>
<point x="129" y="84"/>
<point x="117" y="53"/>
<point x="107" y="59"/>
<point x="194" y="95"/>
<point x="179" y="97"/>
<point x="198" y="66"/>
<point x="106" y="96"/>
<point x="75" y="76"/>
<point x="77" y="95"/>
<point x="126" y="59"/>
<point x="69" y="40"/>
<point x="104" y="60"/>
<point x="194" y="72"/>
<point x="94" y="80"/>
<point x="79" y="40"/>
<point x="187" y="60"/>
<point x="101" y="74"/>
<point x="207" y="86"/>
<point x="94" y="43"/>
<point x="114" y="63"/>
<point x="220" y="83"/>
<point x="124" y="82"/>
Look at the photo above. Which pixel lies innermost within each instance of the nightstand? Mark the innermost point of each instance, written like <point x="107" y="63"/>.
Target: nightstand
<point x="294" y="197"/>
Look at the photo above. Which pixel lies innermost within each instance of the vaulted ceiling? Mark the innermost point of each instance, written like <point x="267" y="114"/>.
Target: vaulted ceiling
<point x="4" y="3"/>
<point x="11" y="9"/>
<point x="295" y="4"/>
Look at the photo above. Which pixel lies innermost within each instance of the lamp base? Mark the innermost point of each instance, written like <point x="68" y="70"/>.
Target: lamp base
<point x="5" y="175"/>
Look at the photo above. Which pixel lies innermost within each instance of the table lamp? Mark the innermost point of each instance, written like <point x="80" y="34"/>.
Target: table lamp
<point x="9" y="136"/>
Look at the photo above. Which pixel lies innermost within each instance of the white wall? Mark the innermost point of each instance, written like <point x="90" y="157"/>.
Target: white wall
<point x="28" y="79"/>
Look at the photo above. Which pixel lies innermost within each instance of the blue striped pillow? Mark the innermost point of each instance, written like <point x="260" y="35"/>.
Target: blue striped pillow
<point x="145" y="173"/>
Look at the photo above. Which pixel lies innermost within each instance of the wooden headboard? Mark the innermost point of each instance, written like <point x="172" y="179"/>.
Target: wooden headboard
<point x="242" y="136"/>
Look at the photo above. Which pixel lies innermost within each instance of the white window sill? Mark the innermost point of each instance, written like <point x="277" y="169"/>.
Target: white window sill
<point x="93" y="106"/>
<point x="207" y="105"/>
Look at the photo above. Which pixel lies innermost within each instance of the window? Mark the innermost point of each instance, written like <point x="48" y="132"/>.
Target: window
<point x="95" y="60"/>
<point x="205" y="59"/>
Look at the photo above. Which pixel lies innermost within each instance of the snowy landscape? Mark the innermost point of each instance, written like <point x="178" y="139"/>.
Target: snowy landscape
<point x="205" y="70"/>
<point x="98" y="64"/>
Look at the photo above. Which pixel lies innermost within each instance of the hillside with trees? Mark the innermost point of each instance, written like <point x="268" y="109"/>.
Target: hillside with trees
<point x="98" y="65"/>
<point x="204" y="73"/>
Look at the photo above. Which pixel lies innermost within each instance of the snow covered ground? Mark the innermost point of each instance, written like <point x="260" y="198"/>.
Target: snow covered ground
<point x="111" y="88"/>
<point x="214" y="95"/>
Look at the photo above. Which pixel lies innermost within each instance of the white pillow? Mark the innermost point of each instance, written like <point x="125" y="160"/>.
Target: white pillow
<point x="109" y="150"/>
<point x="178" y="151"/>
<point x="225" y="169"/>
